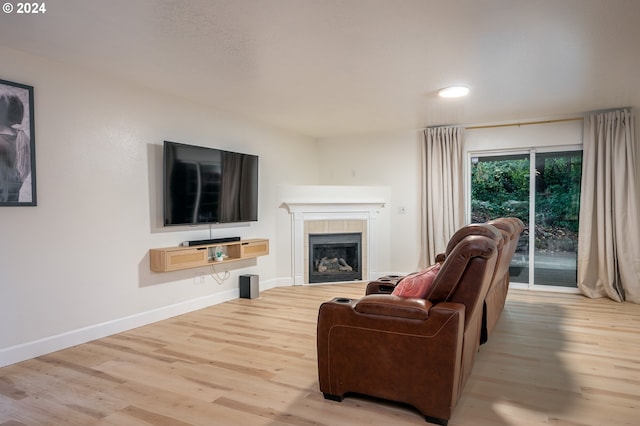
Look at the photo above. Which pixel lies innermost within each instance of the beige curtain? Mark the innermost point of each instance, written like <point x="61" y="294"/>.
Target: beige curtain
<point x="442" y="189"/>
<point x="609" y="234"/>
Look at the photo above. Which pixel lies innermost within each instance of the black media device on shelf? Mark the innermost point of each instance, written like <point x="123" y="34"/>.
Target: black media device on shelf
<point x="207" y="185"/>
<point x="211" y="241"/>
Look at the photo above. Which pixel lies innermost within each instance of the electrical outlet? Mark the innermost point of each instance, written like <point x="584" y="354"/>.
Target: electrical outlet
<point x="198" y="279"/>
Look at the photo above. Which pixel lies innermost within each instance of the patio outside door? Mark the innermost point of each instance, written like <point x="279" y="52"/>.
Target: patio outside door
<point x="543" y="190"/>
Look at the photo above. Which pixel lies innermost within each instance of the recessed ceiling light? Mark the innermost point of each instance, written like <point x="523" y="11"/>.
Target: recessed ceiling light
<point x="453" y="92"/>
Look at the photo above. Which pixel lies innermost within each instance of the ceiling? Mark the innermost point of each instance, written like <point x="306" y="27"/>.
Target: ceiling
<point x="327" y="68"/>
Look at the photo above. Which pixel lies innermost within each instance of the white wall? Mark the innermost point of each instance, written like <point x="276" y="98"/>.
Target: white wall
<point x="391" y="160"/>
<point x="77" y="265"/>
<point x="566" y="133"/>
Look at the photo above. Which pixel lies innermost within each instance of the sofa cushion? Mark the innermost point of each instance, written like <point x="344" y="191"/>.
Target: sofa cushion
<point x="417" y="284"/>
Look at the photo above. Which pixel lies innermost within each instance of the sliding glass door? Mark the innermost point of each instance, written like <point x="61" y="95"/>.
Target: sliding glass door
<point x="543" y="190"/>
<point x="557" y="203"/>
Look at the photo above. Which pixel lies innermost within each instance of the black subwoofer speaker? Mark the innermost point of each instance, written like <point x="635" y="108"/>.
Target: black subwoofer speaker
<point x="249" y="286"/>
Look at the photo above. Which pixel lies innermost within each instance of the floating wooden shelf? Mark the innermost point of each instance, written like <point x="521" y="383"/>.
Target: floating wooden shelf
<point x="180" y="257"/>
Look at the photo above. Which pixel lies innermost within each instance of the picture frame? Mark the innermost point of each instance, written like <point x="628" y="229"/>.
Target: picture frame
<point x="17" y="145"/>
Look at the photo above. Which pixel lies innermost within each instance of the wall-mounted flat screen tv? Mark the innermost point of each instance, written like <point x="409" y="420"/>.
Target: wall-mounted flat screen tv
<point x="208" y="185"/>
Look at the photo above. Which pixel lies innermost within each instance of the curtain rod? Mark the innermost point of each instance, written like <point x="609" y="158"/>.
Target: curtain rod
<point x="525" y="123"/>
<point x="490" y="126"/>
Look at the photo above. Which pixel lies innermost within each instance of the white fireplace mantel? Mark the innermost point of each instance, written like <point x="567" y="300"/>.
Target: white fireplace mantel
<point x="302" y="211"/>
<point x="303" y="207"/>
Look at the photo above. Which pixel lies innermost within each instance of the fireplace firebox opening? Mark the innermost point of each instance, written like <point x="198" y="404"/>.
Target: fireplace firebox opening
<point x="335" y="257"/>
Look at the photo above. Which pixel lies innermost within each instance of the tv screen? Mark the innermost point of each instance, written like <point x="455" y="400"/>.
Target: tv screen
<point x="208" y="185"/>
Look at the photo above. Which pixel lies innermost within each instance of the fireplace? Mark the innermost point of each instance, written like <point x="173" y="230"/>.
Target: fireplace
<point x="333" y="209"/>
<point x="335" y="257"/>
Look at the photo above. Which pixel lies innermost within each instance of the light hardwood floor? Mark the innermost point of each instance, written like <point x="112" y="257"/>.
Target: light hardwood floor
<point x="554" y="359"/>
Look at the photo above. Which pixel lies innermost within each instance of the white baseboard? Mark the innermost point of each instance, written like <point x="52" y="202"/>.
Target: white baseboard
<point x="49" y="344"/>
<point x="68" y="339"/>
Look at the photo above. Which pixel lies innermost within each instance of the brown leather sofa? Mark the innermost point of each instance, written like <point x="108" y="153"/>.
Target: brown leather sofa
<point x="510" y="228"/>
<point x="416" y="351"/>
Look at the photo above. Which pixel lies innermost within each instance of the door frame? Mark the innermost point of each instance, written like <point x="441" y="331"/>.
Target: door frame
<point x="531" y="151"/>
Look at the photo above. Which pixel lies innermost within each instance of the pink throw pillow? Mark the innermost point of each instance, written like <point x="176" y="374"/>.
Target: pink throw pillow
<point x="417" y="284"/>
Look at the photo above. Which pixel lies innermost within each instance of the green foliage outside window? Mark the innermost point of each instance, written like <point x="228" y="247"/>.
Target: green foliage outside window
<point x="501" y="188"/>
<point x="558" y="192"/>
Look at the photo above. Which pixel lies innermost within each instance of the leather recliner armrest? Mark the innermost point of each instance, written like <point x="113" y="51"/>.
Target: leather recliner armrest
<point x="384" y="285"/>
<point x="377" y="287"/>
<point x="394" y="306"/>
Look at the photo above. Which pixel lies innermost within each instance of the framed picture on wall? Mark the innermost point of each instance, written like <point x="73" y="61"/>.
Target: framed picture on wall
<point x="17" y="145"/>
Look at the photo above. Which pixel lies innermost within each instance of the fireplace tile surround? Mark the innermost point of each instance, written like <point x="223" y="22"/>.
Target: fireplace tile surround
<point x="333" y="214"/>
<point x="338" y="227"/>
